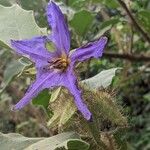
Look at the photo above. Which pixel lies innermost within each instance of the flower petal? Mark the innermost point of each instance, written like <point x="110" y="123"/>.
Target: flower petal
<point x="93" y="49"/>
<point x="34" y="48"/>
<point x="60" y="33"/>
<point x="47" y="80"/>
<point x="70" y="82"/>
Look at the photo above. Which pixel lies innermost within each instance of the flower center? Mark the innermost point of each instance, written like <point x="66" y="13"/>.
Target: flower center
<point x="59" y="63"/>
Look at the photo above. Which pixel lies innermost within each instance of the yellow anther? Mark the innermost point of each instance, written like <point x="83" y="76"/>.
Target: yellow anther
<point x="60" y="63"/>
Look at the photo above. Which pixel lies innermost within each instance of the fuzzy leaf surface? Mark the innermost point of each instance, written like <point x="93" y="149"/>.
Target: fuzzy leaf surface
<point x="17" y="23"/>
<point x="18" y="142"/>
<point x="102" y="79"/>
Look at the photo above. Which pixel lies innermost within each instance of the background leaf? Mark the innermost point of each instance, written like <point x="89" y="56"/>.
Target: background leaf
<point x="75" y="144"/>
<point x="110" y="22"/>
<point x="63" y="108"/>
<point x="103" y="79"/>
<point x="17" y="23"/>
<point x="86" y="18"/>
<point x="42" y="99"/>
<point x="7" y="2"/>
<point x="18" y="142"/>
<point x="13" y="69"/>
<point x="144" y="18"/>
<point x="53" y="142"/>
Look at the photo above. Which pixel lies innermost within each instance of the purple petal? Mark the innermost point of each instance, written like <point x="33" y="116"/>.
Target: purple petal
<point x="60" y="33"/>
<point x="93" y="49"/>
<point x="47" y="80"/>
<point x="70" y="82"/>
<point x="33" y="48"/>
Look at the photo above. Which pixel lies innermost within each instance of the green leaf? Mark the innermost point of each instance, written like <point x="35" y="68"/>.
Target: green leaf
<point x="53" y="142"/>
<point x="42" y="98"/>
<point x="147" y="97"/>
<point x="63" y="109"/>
<point x="17" y="23"/>
<point x="77" y="144"/>
<point x="144" y="19"/>
<point x="102" y="31"/>
<point x="25" y="61"/>
<point x="65" y="140"/>
<point x="81" y="22"/>
<point x="19" y="142"/>
<point x="103" y="79"/>
<point x="145" y="13"/>
<point x="16" y="141"/>
<point x="55" y="94"/>
<point x="112" y="4"/>
<point x="106" y="26"/>
<point x="79" y="4"/>
<point x="13" y="69"/>
<point x="67" y="113"/>
<point x="74" y="144"/>
<point x="7" y="2"/>
<point x="110" y="22"/>
<point x="31" y="5"/>
<point x="38" y="6"/>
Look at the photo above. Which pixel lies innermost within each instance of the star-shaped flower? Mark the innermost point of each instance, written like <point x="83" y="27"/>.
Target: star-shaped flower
<point x="56" y="68"/>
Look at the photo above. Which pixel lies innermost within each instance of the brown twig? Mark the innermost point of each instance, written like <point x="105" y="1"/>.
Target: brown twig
<point x="136" y="25"/>
<point x="129" y="57"/>
<point x="131" y="40"/>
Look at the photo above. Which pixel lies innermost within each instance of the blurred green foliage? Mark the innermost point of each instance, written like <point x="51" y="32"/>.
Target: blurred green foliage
<point x="88" y="20"/>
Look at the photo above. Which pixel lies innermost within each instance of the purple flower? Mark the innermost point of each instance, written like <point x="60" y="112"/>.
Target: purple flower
<point x="56" y="68"/>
